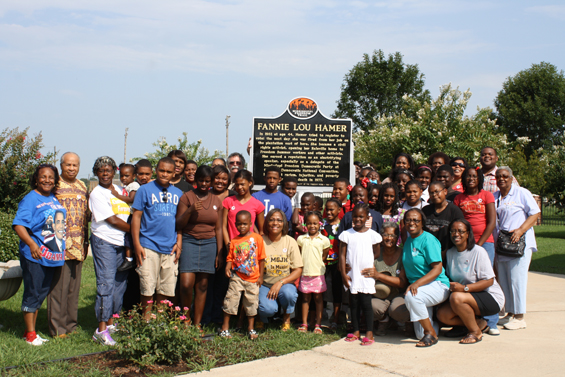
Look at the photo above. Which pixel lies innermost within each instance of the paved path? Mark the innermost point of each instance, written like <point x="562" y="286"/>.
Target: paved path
<point x="538" y="350"/>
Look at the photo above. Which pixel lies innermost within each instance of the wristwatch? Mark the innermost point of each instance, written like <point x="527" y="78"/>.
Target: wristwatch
<point x="466" y="289"/>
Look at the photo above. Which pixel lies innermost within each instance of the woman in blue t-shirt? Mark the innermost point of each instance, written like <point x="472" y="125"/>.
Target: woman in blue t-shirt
<point x="428" y="284"/>
<point x="40" y="224"/>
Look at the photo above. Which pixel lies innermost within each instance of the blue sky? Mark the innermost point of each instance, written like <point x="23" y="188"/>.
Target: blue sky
<point x="81" y="72"/>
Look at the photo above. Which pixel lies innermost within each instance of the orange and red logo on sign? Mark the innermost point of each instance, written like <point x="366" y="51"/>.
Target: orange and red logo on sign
<point x="302" y="108"/>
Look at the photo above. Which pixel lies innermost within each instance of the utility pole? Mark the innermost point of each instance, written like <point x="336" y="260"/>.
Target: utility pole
<point x="227" y="135"/>
<point x="125" y="144"/>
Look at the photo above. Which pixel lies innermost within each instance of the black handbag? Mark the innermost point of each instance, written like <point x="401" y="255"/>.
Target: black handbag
<point x="504" y="245"/>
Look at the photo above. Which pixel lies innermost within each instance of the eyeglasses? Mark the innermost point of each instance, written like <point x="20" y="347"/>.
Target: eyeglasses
<point x="165" y="195"/>
<point x="460" y="164"/>
<point x="434" y="193"/>
<point x="457" y="231"/>
<point x="412" y="221"/>
<point x="234" y="162"/>
<point x="390" y="236"/>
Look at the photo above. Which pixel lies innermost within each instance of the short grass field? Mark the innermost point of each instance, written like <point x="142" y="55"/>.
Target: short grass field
<point x="15" y="352"/>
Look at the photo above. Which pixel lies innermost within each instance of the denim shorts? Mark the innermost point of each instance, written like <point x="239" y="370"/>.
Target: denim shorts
<point x="37" y="282"/>
<point x="198" y="255"/>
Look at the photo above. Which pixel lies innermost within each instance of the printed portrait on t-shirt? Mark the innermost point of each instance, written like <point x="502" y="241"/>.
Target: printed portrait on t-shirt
<point x="53" y="231"/>
<point x="246" y="257"/>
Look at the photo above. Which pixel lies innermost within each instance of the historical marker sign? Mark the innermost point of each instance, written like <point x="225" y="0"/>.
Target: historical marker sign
<point x="304" y="143"/>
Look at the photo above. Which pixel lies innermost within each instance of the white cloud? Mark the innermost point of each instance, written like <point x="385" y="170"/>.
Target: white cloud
<point x="553" y="11"/>
<point x="251" y="37"/>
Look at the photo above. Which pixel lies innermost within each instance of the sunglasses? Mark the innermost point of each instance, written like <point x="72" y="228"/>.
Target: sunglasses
<point x="234" y="163"/>
<point x="460" y="164"/>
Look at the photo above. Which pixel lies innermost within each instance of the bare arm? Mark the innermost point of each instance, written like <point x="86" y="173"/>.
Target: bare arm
<point x="376" y="250"/>
<point x="260" y="222"/>
<point x="479" y="286"/>
<point x="219" y="240"/>
<point x="123" y="198"/>
<point x="261" y="271"/>
<point x="137" y="248"/>
<point x="342" y="259"/>
<point x="274" y="291"/>
<point x="491" y="223"/>
<point x="530" y="221"/>
<point x="325" y="255"/>
<point x="225" y="228"/>
<point x="21" y="231"/>
<point x="119" y="224"/>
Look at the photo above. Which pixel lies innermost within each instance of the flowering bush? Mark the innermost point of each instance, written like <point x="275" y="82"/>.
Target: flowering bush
<point x="9" y="241"/>
<point x="162" y="339"/>
<point x="20" y="155"/>
<point x="440" y="126"/>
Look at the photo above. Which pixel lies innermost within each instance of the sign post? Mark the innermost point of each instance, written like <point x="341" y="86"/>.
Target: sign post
<point x="303" y="143"/>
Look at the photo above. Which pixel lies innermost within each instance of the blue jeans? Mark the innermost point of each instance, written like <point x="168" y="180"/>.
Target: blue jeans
<point x="110" y="284"/>
<point x="287" y="300"/>
<point x="492" y="320"/>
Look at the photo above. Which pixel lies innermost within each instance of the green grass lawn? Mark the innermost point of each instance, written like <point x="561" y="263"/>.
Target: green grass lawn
<point x="15" y="351"/>
<point x="551" y="249"/>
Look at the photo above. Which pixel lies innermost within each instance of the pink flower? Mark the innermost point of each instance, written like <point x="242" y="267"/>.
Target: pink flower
<point x="170" y="304"/>
<point x="164" y="301"/>
<point x="153" y="316"/>
<point x="177" y="308"/>
<point x="185" y="309"/>
<point x="150" y="301"/>
<point x="160" y="310"/>
<point x="116" y="316"/>
<point x="182" y="317"/>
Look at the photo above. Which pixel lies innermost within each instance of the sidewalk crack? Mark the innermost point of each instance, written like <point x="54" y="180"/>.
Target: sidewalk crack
<point x="376" y="366"/>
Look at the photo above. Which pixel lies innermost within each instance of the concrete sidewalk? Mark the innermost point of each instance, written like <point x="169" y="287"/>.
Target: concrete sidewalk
<point x="538" y="350"/>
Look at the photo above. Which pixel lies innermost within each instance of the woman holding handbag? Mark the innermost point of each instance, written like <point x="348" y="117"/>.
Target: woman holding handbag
<point x="516" y="212"/>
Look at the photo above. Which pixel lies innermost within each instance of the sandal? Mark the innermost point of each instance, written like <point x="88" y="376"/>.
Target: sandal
<point x="366" y="341"/>
<point x="472" y="337"/>
<point x="285" y="327"/>
<point x="351" y="338"/>
<point x="225" y="334"/>
<point x="427" y="341"/>
<point x="253" y="334"/>
<point x="318" y="330"/>
<point x="303" y="328"/>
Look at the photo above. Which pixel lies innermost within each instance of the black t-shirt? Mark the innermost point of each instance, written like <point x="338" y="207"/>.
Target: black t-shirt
<point x="183" y="185"/>
<point x="438" y="223"/>
<point x="451" y="195"/>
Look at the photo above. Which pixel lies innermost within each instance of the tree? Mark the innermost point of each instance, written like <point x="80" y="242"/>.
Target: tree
<point x="20" y="155"/>
<point x="375" y="88"/>
<point x="193" y="151"/>
<point x="440" y="125"/>
<point x="532" y="104"/>
<point x="555" y="174"/>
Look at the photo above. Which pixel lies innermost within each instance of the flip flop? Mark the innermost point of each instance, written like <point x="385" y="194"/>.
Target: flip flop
<point x="351" y="338"/>
<point x="427" y="341"/>
<point x="366" y="341"/>
<point x="471" y="337"/>
<point x="303" y="328"/>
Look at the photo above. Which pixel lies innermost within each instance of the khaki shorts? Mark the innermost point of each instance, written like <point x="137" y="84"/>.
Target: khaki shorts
<point x="250" y="296"/>
<point x="158" y="274"/>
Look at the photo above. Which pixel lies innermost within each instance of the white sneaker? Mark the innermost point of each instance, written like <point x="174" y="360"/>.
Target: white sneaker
<point x="505" y="320"/>
<point x="515" y="324"/>
<point x="104" y="338"/>
<point x="42" y="340"/>
<point x="112" y="328"/>
<point x="36" y="342"/>
<point x="494" y="331"/>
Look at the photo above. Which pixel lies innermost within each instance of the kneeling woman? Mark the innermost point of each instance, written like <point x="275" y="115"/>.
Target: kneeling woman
<point x="474" y="290"/>
<point x="428" y="284"/>
<point x="283" y="266"/>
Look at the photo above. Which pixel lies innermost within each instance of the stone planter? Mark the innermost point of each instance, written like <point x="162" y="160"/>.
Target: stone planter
<point x="10" y="279"/>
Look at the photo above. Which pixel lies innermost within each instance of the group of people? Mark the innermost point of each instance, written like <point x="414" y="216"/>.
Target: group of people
<point x="415" y="249"/>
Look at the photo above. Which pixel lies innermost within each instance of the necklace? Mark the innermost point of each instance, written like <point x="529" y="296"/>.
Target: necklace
<point x="208" y="198"/>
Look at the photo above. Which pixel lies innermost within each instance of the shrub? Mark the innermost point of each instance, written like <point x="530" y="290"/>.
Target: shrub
<point x="20" y="155"/>
<point x="162" y="339"/>
<point x="9" y="241"/>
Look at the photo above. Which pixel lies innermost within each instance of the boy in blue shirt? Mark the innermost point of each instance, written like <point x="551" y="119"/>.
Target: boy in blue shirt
<point x="156" y="243"/>
<point x="270" y="196"/>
